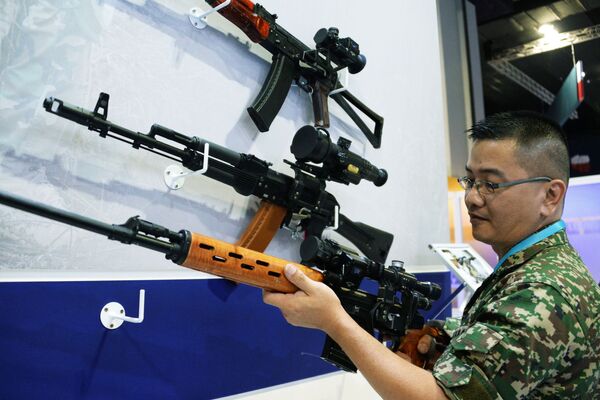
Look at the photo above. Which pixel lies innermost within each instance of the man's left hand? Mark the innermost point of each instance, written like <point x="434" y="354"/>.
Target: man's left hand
<point x="315" y="305"/>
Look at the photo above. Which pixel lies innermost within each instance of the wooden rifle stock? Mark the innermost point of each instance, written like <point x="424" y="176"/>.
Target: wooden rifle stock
<point x="242" y="265"/>
<point x="223" y="259"/>
<point x="241" y="13"/>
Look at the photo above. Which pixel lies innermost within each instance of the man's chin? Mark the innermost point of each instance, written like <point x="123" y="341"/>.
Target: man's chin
<point x="481" y="234"/>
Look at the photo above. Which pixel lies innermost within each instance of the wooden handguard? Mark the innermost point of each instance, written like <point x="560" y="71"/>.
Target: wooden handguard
<point x="241" y="13"/>
<point x="264" y="226"/>
<point x="410" y="341"/>
<point x="242" y="265"/>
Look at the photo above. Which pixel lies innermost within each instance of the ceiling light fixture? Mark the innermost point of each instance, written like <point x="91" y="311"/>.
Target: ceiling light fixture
<point x="550" y="33"/>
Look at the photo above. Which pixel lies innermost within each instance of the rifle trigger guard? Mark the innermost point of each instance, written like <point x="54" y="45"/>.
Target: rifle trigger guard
<point x="295" y="221"/>
<point x="174" y="174"/>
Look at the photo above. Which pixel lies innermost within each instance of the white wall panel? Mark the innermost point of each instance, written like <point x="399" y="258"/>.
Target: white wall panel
<point x="158" y="68"/>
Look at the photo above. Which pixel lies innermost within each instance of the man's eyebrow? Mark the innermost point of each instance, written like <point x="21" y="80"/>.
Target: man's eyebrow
<point x="488" y="171"/>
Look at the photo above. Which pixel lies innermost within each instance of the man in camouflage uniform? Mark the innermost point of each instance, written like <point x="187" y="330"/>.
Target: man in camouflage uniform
<point x="532" y="330"/>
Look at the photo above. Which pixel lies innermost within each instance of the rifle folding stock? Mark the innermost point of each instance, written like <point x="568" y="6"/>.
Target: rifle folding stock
<point x="310" y="208"/>
<point x="314" y="70"/>
<point x="383" y="312"/>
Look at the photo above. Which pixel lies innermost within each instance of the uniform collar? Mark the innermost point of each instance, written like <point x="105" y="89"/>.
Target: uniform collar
<point x="516" y="259"/>
<point x="552" y="235"/>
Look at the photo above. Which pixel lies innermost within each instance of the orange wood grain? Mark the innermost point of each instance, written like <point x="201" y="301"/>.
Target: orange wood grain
<point x="242" y="265"/>
<point x="264" y="225"/>
<point x="241" y="13"/>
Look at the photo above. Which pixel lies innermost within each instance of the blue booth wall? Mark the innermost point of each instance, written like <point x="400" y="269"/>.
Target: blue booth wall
<point x="582" y="215"/>
<point x="200" y="339"/>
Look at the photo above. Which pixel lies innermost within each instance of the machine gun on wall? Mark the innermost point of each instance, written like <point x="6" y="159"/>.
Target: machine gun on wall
<point x="342" y="271"/>
<point x="314" y="70"/>
<point x="300" y="203"/>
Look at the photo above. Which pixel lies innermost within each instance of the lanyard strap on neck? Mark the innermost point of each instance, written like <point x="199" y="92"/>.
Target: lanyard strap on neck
<point x="533" y="239"/>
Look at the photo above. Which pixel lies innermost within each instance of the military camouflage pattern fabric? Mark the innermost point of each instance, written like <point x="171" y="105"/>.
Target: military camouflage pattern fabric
<point x="531" y="331"/>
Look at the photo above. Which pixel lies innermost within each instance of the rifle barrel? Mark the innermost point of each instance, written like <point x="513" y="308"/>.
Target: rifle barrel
<point x="111" y="231"/>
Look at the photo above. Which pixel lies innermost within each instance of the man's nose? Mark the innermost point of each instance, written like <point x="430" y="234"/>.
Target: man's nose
<point x="473" y="198"/>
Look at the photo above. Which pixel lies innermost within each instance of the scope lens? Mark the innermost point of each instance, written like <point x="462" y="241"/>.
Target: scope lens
<point x="359" y="63"/>
<point x="309" y="249"/>
<point x="321" y="36"/>
<point x="309" y="144"/>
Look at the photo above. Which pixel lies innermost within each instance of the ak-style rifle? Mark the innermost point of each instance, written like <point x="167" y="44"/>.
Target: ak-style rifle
<point x="383" y="315"/>
<point x="314" y="70"/>
<point x="299" y="203"/>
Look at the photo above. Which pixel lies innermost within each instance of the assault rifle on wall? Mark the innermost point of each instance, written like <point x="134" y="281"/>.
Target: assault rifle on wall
<point x="383" y="313"/>
<point x="300" y="203"/>
<point x="313" y="70"/>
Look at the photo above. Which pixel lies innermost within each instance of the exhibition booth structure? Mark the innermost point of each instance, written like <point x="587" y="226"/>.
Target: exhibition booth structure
<point x="161" y="163"/>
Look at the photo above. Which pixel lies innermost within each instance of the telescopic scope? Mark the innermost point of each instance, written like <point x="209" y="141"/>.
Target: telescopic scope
<point x="314" y="145"/>
<point x="344" y="52"/>
<point x="331" y="256"/>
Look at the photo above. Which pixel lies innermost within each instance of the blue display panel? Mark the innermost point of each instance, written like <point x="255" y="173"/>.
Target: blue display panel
<point x="200" y="339"/>
<point x="582" y="215"/>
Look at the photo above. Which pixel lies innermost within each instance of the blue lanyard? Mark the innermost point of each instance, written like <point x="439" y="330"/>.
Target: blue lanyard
<point x="533" y="239"/>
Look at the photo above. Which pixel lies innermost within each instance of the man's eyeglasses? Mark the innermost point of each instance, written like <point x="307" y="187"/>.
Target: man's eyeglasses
<point x="485" y="187"/>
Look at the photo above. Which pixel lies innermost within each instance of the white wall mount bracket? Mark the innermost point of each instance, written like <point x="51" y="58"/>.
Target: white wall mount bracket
<point x="112" y="315"/>
<point x="198" y="17"/>
<point x="344" y="79"/>
<point x="174" y="174"/>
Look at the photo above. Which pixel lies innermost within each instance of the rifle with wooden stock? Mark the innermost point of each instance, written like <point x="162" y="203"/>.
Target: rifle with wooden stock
<point x="343" y="271"/>
<point x="299" y="203"/>
<point x="315" y="70"/>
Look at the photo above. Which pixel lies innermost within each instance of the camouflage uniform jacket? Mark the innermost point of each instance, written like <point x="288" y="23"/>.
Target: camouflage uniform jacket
<point x="531" y="331"/>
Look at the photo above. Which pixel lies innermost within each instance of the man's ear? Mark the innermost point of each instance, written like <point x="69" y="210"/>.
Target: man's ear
<point x="555" y="193"/>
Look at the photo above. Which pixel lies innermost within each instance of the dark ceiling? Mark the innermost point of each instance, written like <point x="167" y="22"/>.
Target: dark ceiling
<point x="508" y="28"/>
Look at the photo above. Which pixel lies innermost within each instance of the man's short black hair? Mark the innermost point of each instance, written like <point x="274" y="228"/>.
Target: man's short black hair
<point x="541" y="143"/>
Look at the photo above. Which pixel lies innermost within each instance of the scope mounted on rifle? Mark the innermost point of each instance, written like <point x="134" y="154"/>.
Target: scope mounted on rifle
<point x="344" y="52"/>
<point x="314" y="145"/>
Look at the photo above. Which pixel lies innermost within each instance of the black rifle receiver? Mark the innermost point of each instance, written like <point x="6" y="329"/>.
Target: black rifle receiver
<point x="384" y="312"/>
<point x="310" y="207"/>
<point x="315" y="70"/>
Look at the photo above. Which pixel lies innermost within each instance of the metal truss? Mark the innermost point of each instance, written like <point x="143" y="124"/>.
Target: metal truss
<point x="525" y="81"/>
<point x="542" y="45"/>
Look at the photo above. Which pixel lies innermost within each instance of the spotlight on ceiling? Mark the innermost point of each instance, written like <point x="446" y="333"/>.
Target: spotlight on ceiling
<point x="549" y="31"/>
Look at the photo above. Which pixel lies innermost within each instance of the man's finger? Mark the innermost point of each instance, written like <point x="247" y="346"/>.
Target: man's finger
<point x="424" y="344"/>
<point x="273" y="298"/>
<point x="298" y="278"/>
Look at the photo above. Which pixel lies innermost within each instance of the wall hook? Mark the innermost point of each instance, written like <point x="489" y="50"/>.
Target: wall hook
<point x="344" y="79"/>
<point x="198" y="17"/>
<point x="175" y="176"/>
<point x="112" y="314"/>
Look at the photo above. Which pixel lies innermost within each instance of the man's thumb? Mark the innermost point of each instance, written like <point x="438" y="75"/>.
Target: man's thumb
<point x="297" y="277"/>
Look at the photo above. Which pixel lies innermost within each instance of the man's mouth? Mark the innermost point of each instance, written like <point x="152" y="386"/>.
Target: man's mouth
<point x="475" y="217"/>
